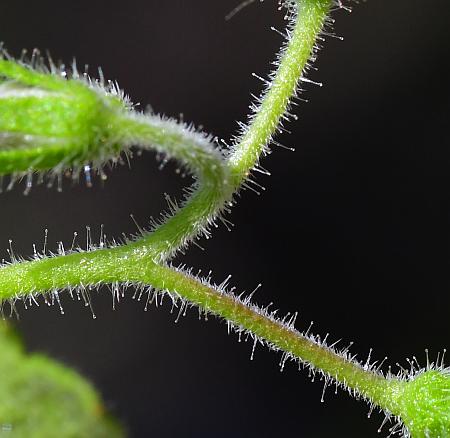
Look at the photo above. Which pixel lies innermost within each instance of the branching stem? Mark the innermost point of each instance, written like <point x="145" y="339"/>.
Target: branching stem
<point x="143" y="261"/>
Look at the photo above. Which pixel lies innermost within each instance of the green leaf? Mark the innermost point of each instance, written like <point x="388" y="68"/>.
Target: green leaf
<point x="40" y="398"/>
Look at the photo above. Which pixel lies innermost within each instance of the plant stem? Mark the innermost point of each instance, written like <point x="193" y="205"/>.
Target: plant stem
<point x="280" y="336"/>
<point x="311" y="17"/>
<point x="142" y="261"/>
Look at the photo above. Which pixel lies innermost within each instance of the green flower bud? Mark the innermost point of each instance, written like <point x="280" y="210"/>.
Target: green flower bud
<point x="425" y="404"/>
<point x="49" y="122"/>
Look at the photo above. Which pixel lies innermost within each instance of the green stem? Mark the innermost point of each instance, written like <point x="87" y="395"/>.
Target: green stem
<point x="141" y="261"/>
<point x="208" y="202"/>
<point x="212" y="191"/>
<point x="381" y="391"/>
<point x="311" y="16"/>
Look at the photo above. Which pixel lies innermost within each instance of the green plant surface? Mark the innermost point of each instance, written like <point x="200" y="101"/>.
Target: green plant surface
<point x="424" y="404"/>
<point x="59" y="122"/>
<point x="44" y="399"/>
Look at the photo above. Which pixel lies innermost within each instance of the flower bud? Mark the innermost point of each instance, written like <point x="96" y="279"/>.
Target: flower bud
<point x="49" y="122"/>
<point x="425" y="404"/>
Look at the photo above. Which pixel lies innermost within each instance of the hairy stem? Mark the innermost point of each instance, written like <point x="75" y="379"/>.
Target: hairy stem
<point x="311" y="17"/>
<point x="280" y="336"/>
<point x="142" y="261"/>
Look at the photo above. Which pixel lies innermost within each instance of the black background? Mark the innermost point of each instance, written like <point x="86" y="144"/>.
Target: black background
<point x="352" y="230"/>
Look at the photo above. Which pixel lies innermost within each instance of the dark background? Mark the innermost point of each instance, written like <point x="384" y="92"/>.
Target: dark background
<point x="352" y="230"/>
